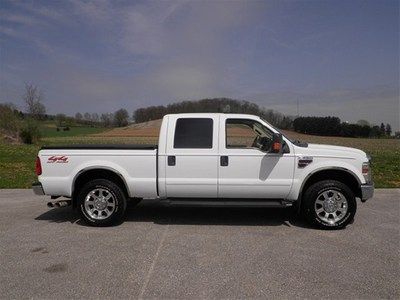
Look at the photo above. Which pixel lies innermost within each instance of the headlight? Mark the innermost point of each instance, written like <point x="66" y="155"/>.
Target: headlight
<point x="366" y="171"/>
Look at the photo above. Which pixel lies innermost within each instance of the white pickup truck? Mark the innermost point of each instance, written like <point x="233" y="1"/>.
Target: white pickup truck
<point x="209" y="159"/>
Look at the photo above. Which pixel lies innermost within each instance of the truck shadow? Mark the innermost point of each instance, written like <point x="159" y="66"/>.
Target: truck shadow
<point x="161" y="214"/>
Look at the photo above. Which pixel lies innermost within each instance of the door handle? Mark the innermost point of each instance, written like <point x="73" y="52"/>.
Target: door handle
<point x="171" y="161"/>
<point x="224" y="160"/>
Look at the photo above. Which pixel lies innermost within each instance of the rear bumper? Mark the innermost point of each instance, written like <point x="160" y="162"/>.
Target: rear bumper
<point x="367" y="191"/>
<point x="37" y="188"/>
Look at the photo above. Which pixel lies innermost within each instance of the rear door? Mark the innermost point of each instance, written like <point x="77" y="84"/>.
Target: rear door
<point x="192" y="157"/>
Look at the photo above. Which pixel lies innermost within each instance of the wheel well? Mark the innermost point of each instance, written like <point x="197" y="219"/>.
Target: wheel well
<point x="340" y="175"/>
<point x="93" y="174"/>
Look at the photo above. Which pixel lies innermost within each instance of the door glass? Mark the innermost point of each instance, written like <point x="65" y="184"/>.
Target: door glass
<point x="244" y="133"/>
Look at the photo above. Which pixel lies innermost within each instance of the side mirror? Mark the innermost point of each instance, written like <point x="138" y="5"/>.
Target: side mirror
<point x="277" y="143"/>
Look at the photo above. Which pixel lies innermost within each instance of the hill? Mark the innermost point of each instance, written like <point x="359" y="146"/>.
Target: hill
<point x="145" y="129"/>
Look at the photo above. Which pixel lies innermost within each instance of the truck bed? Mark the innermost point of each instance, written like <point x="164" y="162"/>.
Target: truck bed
<point x="136" y="164"/>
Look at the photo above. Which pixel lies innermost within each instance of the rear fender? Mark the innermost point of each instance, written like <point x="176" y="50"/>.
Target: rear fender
<point x="103" y="165"/>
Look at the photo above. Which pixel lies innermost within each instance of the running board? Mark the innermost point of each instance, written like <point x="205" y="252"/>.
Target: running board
<point x="228" y="202"/>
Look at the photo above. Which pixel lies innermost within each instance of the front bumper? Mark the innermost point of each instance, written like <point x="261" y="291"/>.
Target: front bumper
<point x="367" y="191"/>
<point x="37" y="188"/>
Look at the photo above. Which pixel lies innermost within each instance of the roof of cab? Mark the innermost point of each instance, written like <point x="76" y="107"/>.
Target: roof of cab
<point x="193" y="115"/>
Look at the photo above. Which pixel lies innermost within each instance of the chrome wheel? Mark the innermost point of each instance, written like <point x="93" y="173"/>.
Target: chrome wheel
<point x="99" y="204"/>
<point x="331" y="206"/>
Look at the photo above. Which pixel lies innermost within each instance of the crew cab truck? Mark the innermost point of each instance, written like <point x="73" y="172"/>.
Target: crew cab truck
<point x="209" y="159"/>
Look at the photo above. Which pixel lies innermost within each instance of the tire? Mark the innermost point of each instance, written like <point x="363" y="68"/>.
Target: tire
<point x="101" y="203"/>
<point x="329" y="204"/>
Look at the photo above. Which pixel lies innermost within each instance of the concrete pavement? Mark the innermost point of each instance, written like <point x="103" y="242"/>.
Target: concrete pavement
<point x="165" y="252"/>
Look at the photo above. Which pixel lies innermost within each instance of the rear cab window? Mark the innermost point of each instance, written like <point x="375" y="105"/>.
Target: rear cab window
<point x="193" y="133"/>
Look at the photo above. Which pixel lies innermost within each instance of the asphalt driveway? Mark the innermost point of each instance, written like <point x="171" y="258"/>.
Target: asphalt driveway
<point x="165" y="252"/>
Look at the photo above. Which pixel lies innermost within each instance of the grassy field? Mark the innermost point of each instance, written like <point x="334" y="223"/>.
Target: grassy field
<point x="17" y="161"/>
<point x="49" y="129"/>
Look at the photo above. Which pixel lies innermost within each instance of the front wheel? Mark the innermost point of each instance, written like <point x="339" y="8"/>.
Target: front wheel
<point x="101" y="202"/>
<point x="329" y="204"/>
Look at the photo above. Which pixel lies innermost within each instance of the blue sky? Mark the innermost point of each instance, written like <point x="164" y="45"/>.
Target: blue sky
<point x="334" y="57"/>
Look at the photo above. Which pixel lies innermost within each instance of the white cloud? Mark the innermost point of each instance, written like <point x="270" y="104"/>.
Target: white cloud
<point x="18" y="19"/>
<point x="155" y="52"/>
<point x="11" y="32"/>
<point x="94" y="11"/>
<point x="37" y="10"/>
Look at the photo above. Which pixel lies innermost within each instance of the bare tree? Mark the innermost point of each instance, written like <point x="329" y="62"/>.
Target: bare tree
<point x="383" y="129"/>
<point x="9" y="121"/>
<point x="121" y="117"/>
<point x="106" y="119"/>
<point x="388" y="130"/>
<point x="95" y="117"/>
<point x="87" y="116"/>
<point x="78" y="116"/>
<point x="60" y="120"/>
<point x="33" y="100"/>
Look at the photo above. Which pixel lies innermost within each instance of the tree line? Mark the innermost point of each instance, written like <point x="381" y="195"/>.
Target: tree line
<point x="15" y="124"/>
<point x="119" y="118"/>
<point x="215" y="105"/>
<point x="332" y="126"/>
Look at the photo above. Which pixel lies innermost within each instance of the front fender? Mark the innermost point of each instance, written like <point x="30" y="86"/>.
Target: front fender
<point x="302" y="174"/>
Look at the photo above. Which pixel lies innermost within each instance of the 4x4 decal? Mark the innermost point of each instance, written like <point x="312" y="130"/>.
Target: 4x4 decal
<point x="57" y="159"/>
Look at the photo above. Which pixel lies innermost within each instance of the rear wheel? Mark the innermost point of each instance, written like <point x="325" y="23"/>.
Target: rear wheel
<point x="101" y="202"/>
<point x="329" y="204"/>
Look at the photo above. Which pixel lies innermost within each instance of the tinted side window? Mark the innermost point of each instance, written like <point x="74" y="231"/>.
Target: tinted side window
<point x="193" y="133"/>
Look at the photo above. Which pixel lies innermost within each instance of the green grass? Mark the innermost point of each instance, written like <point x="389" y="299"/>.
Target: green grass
<point x="17" y="165"/>
<point x="17" y="161"/>
<point x="386" y="168"/>
<point x="51" y="131"/>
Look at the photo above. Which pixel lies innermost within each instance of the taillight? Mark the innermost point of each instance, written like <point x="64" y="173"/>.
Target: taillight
<point x="38" y="167"/>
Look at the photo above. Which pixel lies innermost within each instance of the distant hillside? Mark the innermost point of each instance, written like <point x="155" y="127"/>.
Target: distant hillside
<point x="145" y="129"/>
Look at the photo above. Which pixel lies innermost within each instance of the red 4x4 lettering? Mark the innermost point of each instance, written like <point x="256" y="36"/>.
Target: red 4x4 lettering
<point x="57" y="159"/>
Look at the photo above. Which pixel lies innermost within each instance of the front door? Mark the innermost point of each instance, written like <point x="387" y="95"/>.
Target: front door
<point x="192" y="157"/>
<point x="247" y="169"/>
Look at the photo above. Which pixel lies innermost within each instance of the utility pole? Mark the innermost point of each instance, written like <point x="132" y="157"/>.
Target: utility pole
<point x="297" y="107"/>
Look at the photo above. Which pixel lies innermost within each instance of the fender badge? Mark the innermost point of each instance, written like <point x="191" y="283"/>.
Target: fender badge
<point x="57" y="159"/>
<point x="304" y="161"/>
